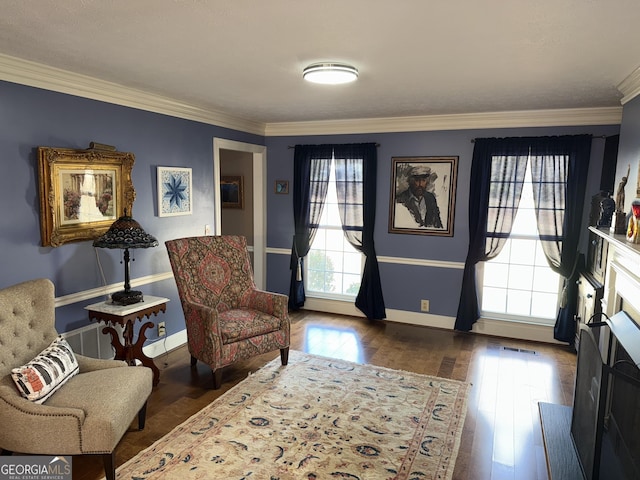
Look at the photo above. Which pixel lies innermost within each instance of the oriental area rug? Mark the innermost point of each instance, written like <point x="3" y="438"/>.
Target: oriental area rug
<point x="316" y="418"/>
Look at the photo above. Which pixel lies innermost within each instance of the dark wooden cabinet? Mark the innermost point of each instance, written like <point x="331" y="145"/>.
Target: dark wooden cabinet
<point x="591" y="283"/>
<point x="597" y="257"/>
<point x="590" y="293"/>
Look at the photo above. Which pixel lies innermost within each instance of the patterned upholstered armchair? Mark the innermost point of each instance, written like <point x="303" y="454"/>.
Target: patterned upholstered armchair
<point x="60" y="403"/>
<point x="227" y="318"/>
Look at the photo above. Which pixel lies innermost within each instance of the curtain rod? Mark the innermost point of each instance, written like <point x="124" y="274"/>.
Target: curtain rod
<point x="473" y="140"/>
<point x="293" y="146"/>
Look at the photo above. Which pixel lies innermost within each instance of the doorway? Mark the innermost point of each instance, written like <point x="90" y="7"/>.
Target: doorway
<point x="249" y="161"/>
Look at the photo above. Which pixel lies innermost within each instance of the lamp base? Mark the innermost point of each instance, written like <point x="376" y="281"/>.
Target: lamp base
<point x="127" y="298"/>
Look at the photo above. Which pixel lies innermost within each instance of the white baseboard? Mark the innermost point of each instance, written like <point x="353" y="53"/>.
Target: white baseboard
<point x="90" y="341"/>
<point x="484" y="326"/>
<point x="332" y="306"/>
<point x="518" y="330"/>
<point x="163" y="345"/>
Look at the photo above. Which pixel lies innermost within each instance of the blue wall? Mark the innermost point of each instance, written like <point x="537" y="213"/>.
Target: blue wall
<point x="404" y="284"/>
<point x="629" y="150"/>
<point x="30" y="117"/>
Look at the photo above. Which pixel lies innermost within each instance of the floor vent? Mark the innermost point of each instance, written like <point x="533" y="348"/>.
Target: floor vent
<point x="520" y="350"/>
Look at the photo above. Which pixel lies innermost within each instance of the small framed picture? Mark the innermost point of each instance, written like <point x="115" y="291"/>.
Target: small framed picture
<point x="174" y="191"/>
<point x="282" y="187"/>
<point x="232" y="191"/>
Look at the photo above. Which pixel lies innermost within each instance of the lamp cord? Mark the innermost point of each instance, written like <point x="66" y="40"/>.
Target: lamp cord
<point x="104" y="284"/>
<point x="104" y="280"/>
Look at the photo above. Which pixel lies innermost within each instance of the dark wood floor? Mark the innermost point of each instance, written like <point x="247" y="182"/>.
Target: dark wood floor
<point x="501" y="438"/>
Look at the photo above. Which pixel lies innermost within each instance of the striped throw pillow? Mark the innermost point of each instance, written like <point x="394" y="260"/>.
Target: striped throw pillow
<point x="42" y="376"/>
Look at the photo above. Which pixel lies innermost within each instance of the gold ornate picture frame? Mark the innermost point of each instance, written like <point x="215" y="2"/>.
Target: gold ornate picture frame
<point x="82" y="192"/>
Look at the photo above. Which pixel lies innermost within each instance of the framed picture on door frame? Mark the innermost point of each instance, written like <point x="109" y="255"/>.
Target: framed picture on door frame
<point x="232" y="191"/>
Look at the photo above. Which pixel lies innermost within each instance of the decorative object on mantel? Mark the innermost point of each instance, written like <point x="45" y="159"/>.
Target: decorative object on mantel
<point x="317" y="418"/>
<point x="607" y="207"/>
<point x="620" y="191"/>
<point x="633" y="228"/>
<point x="619" y="225"/>
<point x="126" y="233"/>
<point x="82" y="191"/>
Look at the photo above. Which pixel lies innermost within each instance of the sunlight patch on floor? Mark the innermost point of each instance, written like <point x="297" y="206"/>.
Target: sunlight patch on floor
<point x="333" y="342"/>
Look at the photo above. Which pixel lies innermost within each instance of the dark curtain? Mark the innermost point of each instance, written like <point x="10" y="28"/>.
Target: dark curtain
<point x="497" y="175"/>
<point x="559" y="168"/>
<point x="311" y="168"/>
<point x="355" y="171"/>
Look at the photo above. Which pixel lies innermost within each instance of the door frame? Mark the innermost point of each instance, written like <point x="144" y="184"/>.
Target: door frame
<point x="259" y="165"/>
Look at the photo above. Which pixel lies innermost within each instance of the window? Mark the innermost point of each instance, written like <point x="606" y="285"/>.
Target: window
<point x="333" y="266"/>
<point x="518" y="284"/>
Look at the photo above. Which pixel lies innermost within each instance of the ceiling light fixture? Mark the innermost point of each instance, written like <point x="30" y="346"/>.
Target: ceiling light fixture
<point x="330" y="73"/>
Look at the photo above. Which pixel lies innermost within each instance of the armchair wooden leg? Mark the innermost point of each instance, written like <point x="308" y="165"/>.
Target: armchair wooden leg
<point x="217" y="378"/>
<point x="284" y="355"/>
<point x="109" y="465"/>
<point x="142" y="416"/>
<point x="194" y="360"/>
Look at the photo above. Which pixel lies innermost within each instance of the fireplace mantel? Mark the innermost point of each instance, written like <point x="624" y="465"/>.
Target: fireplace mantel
<point x="622" y="277"/>
<point x="605" y="415"/>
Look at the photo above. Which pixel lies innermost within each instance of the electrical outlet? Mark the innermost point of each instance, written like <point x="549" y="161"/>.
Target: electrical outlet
<point x="162" y="331"/>
<point x="424" y="305"/>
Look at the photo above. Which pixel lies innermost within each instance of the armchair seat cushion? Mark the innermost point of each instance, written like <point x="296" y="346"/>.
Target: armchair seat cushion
<point x="109" y="398"/>
<point x="243" y="323"/>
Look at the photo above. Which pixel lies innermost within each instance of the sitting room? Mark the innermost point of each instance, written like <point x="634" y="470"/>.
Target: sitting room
<point x="314" y="240"/>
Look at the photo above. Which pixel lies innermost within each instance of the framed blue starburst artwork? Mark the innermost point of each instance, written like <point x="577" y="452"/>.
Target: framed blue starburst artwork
<point x="174" y="191"/>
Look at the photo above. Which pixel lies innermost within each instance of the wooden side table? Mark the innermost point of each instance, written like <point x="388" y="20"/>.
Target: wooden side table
<point x="126" y="315"/>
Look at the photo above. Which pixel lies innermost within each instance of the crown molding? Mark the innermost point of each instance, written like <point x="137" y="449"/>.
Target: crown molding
<point x="630" y="86"/>
<point x="33" y="74"/>
<point x="524" y="118"/>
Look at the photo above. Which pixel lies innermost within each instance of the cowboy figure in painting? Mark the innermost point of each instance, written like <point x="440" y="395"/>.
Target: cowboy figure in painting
<point x="420" y="202"/>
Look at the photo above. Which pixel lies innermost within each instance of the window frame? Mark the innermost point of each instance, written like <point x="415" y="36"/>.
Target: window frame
<point x="480" y="269"/>
<point x="332" y="192"/>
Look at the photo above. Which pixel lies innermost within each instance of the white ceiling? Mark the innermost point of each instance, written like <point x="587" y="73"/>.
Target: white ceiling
<point x="244" y="58"/>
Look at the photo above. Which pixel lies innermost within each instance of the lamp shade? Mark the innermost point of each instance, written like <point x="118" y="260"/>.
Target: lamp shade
<point x="125" y="233"/>
<point x="330" y="73"/>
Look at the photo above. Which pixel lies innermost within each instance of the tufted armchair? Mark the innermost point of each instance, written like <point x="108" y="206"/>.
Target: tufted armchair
<point x="227" y="318"/>
<point x="89" y="413"/>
